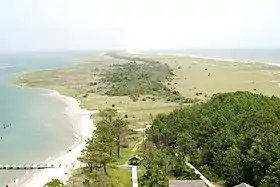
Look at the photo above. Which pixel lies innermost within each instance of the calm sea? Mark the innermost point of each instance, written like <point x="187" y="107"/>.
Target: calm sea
<point x="39" y="128"/>
<point x="256" y="55"/>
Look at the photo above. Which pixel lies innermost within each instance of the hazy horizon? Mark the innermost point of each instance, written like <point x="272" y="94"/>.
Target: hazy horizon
<point x="79" y="25"/>
<point x="141" y="50"/>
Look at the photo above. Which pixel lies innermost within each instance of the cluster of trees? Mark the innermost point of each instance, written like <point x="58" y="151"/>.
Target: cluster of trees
<point x="234" y="137"/>
<point x="104" y="147"/>
<point x="162" y="164"/>
<point x="135" y="79"/>
<point x="131" y="58"/>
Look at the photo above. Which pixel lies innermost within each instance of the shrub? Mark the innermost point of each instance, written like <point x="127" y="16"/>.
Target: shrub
<point x="175" y="92"/>
<point x="54" y="183"/>
<point x="133" y="98"/>
<point x="93" y="83"/>
<point x="188" y="100"/>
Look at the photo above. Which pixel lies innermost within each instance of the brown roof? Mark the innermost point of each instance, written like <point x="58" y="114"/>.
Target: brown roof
<point x="186" y="183"/>
<point x="243" y="185"/>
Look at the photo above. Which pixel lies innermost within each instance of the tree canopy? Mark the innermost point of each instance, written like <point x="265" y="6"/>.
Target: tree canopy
<point x="54" y="183"/>
<point x="104" y="148"/>
<point x="137" y="78"/>
<point x="141" y="76"/>
<point x="235" y="136"/>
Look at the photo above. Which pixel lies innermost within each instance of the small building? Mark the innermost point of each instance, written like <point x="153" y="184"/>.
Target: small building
<point x="243" y="185"/>
<point x="135" y="161"/>
<point x="187" y="183"/>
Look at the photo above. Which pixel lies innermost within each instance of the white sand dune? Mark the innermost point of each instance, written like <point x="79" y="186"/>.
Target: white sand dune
<point x="83" y="127"/>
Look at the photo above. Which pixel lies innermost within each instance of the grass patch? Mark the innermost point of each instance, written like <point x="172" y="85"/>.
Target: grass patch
<point x="122" y="176"/>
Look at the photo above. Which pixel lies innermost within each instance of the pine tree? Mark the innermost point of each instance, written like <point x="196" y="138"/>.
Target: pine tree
<point x="120" y="130"/>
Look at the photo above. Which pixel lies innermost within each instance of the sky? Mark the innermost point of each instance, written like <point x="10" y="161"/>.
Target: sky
<point x="50" y="25"/>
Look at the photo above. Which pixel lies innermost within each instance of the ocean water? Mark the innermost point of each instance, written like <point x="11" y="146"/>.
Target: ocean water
<point x="39" y="127"/>
<point x="254" y="55"/>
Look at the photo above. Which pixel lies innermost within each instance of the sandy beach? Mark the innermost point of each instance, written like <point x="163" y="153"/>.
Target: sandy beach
<point x="83" y="127"/>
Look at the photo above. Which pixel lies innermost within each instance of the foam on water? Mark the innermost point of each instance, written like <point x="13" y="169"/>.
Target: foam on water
<point x="7" y="66"/>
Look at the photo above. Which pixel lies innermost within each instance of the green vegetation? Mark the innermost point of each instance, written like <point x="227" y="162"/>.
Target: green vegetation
<point x="132" y="58"/>
<point x="234" y="137"/>
<point x="104" y="149"/>
<point x="134" y="79"/>
<point x="161" y="165"/>
<point x="115" y="77"/>
<point x="106" y="154"/>
<point x="54" y="183"/>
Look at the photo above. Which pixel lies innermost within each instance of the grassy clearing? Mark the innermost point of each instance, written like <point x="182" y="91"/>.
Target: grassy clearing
<point x="192" y="76"/>
<point x="122" y="175"/>
<point x="137" y="113"/>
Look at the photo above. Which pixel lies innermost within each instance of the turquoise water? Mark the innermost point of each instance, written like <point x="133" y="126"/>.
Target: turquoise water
<point x="39" y="127"/>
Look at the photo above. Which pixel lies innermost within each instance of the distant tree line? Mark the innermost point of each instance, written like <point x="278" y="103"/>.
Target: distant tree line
<point x="133" y="59"/>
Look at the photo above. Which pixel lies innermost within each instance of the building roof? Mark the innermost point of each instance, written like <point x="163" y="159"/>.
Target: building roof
<point x="186" y="183"/>
<point x="136" y="157"/>
<point x="243" y="185"/>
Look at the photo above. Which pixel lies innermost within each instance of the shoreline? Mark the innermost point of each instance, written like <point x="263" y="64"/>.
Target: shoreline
<point x="83" y="127"/>
<point x="220" y="59"/>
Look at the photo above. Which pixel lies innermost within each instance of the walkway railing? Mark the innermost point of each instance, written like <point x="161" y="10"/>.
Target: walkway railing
<point x="207" y="182"/>
<point x="38" y="166"/>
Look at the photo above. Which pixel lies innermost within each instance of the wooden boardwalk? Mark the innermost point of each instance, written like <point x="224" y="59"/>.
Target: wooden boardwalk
<point x="38" y="166"/>
<point x="207" y="182"/>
